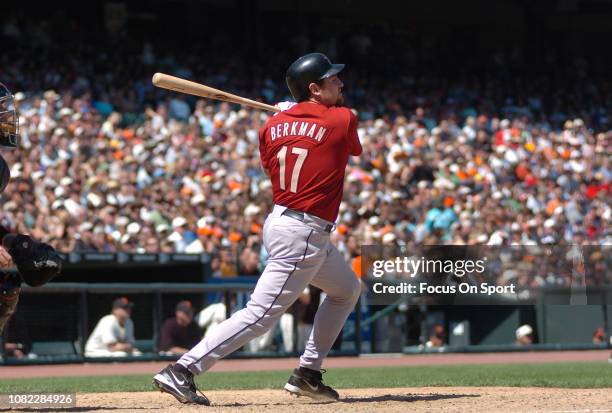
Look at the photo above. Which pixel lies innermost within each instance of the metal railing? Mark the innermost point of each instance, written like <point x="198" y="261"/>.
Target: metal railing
<point x="157" y="290"/>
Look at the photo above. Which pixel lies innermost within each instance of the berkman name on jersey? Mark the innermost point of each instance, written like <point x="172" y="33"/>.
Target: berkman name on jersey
<point x="306" y="129"/>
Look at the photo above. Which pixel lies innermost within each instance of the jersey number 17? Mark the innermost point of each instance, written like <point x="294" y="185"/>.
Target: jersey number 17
<point x="295" y="175"/>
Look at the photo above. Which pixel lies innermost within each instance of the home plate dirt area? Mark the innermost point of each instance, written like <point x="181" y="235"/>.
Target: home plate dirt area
<point x="426" y="399"/>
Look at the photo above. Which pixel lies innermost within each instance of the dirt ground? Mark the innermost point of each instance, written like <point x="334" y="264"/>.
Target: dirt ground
<point x="426" y="399"/>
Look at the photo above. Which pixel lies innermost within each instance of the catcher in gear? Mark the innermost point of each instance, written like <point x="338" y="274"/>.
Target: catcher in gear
<point x="36" y="262"/>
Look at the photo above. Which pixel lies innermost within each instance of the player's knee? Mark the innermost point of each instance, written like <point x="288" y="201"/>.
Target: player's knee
<point x="347" y="293"/>
<point x="262" y="313"/>
<point x="355" y="291"/>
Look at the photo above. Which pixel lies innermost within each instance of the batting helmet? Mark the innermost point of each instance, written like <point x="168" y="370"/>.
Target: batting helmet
<point x="308" y="69"/>
<point x="9" y="122"/>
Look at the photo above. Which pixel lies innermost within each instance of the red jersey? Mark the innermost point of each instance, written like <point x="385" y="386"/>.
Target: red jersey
<point x="306" y="149"/>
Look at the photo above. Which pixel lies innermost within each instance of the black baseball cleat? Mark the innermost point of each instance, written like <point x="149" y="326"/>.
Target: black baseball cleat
<point x="180" y="385"/>
<point x="306" y="382"/>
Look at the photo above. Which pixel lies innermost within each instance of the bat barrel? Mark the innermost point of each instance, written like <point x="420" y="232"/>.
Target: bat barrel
<point x="177" y="84"/>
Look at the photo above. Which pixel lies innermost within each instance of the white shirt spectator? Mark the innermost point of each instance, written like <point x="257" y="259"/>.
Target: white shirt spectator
<point x="109" y="331"/>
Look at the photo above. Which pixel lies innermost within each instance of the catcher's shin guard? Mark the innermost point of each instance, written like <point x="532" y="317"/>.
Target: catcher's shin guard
<point x="10" y="287"/>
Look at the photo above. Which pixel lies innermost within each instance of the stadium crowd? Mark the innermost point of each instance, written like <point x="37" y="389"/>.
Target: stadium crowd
<point x="108" y="163"/>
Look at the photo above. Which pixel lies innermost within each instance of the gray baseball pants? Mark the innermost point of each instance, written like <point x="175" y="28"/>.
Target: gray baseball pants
<point x="300" y="253"/>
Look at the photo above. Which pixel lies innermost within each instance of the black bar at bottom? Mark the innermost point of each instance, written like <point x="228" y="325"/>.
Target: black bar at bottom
<point x="157" y="318"/>
<point x="358" y="326"/>
<point x="228" y="310"/>
<point x="83" y="317"/>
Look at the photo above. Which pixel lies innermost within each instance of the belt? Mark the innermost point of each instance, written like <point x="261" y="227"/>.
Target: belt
<point x="292" y="213"/>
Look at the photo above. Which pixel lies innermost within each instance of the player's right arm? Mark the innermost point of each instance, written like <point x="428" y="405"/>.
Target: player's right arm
<point x="262" y="151"/>
<point x="5" y="258"/>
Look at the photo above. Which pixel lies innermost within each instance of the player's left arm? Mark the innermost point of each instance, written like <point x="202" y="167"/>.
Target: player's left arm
<point x="354" y="146"/>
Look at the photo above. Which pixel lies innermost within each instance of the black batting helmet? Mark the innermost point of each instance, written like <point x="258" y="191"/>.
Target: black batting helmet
<point x="308" y="69"/>
<point x="9" y="122"/>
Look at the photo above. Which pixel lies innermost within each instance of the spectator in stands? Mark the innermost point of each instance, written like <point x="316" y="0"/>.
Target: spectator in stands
<point x="476" y="161"/>
<point x="524" y="335"/>
<point x="599" y="336"/>
<point x="225" y="266"/>
<point x="437" y="337"/>
<point x="249" y="262"/>
<point x="114" y="333"/>
<point x="211" y="316"/>
<point x="180" y="333"/>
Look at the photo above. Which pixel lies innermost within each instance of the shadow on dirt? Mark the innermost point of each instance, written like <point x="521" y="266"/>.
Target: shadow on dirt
<point x="405" y="398"/>
<point x="373" y="399"/>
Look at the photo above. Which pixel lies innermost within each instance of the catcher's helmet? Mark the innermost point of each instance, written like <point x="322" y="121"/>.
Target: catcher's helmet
<point x="9" y="121"/>
<point x="308" y="69"/>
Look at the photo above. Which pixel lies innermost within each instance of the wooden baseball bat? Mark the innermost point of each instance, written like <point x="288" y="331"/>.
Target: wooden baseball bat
<point x="192" y="88"/>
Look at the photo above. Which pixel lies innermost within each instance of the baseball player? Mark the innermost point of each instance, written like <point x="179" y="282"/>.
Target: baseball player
<point x="36" y="262"/>
<point x="305" y="150"/>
